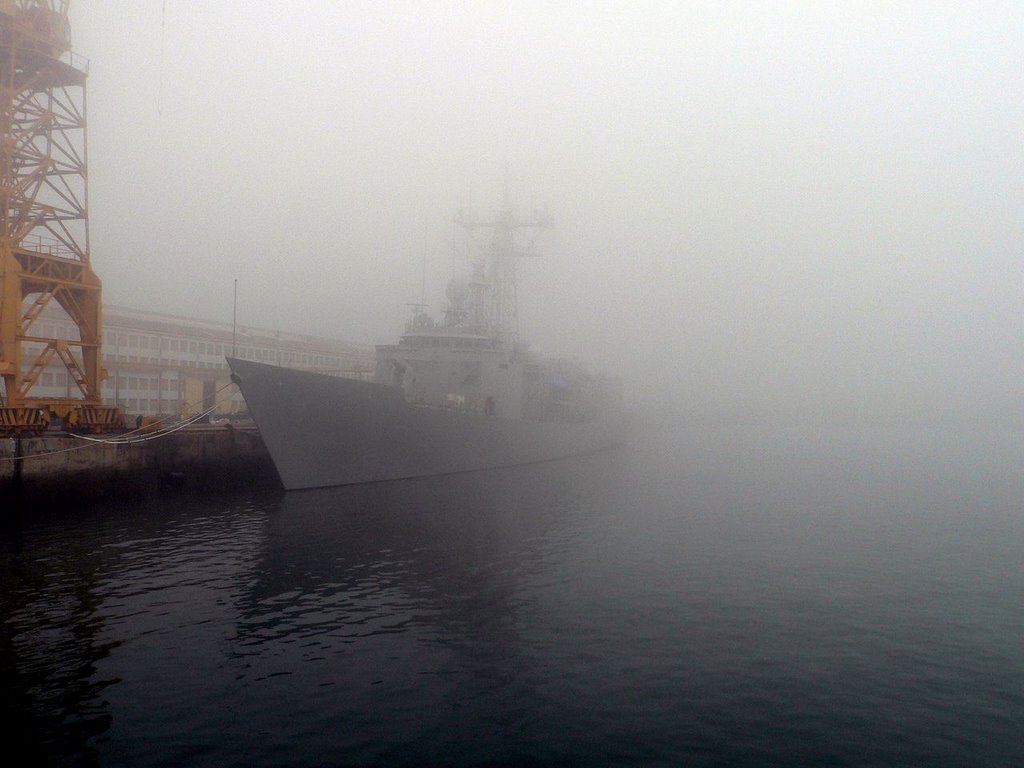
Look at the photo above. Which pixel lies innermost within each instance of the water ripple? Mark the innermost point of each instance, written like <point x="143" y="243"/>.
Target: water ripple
<point x="742" y="600"/>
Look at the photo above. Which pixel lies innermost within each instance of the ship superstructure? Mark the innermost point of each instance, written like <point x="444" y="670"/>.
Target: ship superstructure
<point x="472" y="358"/>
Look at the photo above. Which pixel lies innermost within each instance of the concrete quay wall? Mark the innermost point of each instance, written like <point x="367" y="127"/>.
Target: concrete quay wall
<point x="64" y="468"/>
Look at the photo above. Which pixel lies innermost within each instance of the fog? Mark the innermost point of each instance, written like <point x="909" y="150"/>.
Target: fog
<point x="760" y="209"/>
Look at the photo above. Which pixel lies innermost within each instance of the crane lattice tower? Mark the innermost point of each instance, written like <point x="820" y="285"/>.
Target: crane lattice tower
<point x="44" y="233"/>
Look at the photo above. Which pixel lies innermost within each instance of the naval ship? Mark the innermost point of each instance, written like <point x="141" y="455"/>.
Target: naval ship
<point x="458" y="393"/>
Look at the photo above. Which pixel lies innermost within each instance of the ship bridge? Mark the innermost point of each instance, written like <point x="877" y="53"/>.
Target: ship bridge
<point x="446" y="339"/>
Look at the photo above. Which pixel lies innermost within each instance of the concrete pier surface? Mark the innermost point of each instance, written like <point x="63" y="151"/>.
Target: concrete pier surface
<point x="65" y="468"/>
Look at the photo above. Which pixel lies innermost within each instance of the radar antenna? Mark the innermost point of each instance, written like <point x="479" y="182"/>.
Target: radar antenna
<point x="502" y="256"/>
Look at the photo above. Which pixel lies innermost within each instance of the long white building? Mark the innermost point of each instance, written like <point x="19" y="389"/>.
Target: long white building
<point x="158" y="364"/>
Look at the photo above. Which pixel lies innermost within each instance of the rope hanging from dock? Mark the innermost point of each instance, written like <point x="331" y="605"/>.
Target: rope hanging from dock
<point x="129" y="438"/>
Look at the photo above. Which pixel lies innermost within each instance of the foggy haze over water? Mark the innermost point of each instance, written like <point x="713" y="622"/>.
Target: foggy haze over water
<point x="777" y="208"/>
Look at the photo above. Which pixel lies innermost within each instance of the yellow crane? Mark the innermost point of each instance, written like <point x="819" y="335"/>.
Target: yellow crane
<point x="44" y="224"/>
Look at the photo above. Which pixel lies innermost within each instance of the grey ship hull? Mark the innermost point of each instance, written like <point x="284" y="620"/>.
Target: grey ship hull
<point x="324" y="431"/>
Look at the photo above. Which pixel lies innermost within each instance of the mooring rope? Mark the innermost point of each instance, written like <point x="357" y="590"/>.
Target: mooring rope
<point x="137" y="435"/>
<point x="143" y="434"/>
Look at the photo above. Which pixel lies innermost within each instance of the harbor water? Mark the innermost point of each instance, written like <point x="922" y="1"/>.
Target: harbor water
<point x="704" y="595"/>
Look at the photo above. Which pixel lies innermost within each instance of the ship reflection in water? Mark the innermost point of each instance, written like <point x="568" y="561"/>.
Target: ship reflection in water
<point x="728" y="597"/>
<point x="184" y="616"/>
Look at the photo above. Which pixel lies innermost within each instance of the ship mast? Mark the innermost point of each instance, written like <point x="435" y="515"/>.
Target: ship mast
<point x="502" y="257"/>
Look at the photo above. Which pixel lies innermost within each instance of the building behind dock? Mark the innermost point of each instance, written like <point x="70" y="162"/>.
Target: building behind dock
<point x="168" y="365"/>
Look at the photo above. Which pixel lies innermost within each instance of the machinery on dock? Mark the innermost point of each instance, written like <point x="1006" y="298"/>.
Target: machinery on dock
<point x="44" y="233"/>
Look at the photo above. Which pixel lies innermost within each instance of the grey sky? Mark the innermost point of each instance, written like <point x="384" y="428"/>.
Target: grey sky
<point x="759" y="206"/>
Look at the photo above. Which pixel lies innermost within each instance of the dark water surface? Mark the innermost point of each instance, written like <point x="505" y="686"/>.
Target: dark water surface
<point x="742" y="596"/>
